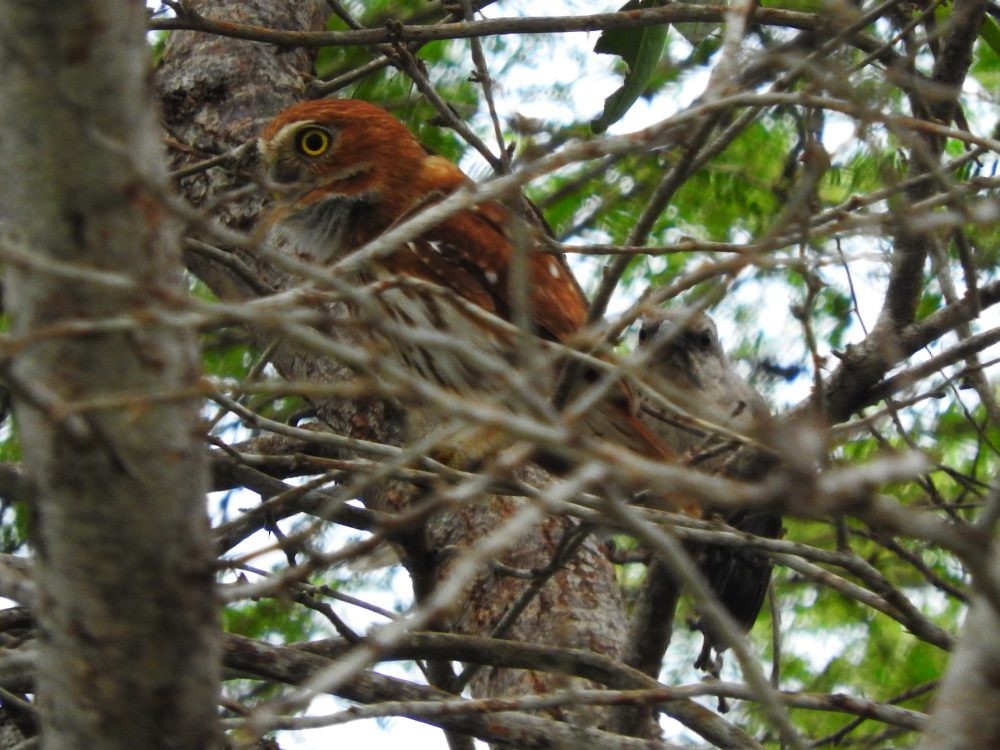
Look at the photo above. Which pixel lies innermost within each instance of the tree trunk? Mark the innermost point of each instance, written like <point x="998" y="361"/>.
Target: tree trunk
<point x="128" y="652"/>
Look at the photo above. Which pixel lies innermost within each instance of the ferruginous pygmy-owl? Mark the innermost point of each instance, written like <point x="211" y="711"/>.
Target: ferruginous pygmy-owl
<point x="343" y="172"/>
<point x="687" y="362"/>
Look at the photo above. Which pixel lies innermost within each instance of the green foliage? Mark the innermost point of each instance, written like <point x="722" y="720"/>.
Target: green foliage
<point x="15" y="522"/>
<point x="840" y="646"/>
<point x="269" y="618"/>
<point x="10" y="445"/>
<point x="803" y="6"/>
<point x="158" y="42"/>
<point x="986" y="64"/>
<point x="736" y="193"/>
<point x="990" y="33"/>
<point x="227" y="354"/>
<point x="640" y="50"/>
<point x="859" y="173"/>
<point x="833" y="308"/>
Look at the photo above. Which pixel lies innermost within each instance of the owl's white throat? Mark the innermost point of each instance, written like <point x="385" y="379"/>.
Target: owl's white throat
<point x="319" y="229"/>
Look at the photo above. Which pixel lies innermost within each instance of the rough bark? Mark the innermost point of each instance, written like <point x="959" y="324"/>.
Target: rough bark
<point x="578" y="607"/>
<point x="10" y="736"/>
<point x="128" y="647"/>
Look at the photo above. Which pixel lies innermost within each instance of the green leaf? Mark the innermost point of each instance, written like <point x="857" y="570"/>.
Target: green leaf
<point x="640" y="50"/>
<point x="269" y="617"/>
<point x="990" y="33"/>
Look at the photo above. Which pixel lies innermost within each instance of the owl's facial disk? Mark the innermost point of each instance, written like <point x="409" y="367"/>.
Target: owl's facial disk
<point x="685" y="345"/>
<point x="290" y="172"/>
<point x="302" y="165"/>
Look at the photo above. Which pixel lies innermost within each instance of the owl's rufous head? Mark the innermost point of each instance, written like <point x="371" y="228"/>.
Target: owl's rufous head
<point x="343" y="171"/>
<point x="349" y="149"/>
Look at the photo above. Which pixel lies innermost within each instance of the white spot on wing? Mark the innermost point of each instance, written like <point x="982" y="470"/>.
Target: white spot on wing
<point x="491" y="276"/>
<point x="554" y="269"/>
<point x="435" y="246"/>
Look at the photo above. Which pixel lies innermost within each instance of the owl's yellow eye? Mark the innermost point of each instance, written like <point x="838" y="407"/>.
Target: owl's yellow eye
<point x="313" y="141"/>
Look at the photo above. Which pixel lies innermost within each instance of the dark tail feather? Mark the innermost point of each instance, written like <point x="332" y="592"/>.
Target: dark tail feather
<point x="739" y="577"/>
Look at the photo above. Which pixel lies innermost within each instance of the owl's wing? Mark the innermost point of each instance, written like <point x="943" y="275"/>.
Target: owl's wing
<point x="472" y="254"/>
<point x="473" y="251"/>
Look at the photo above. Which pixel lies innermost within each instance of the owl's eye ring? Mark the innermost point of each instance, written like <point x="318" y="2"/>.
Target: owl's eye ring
<point x="313" y="141"/>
